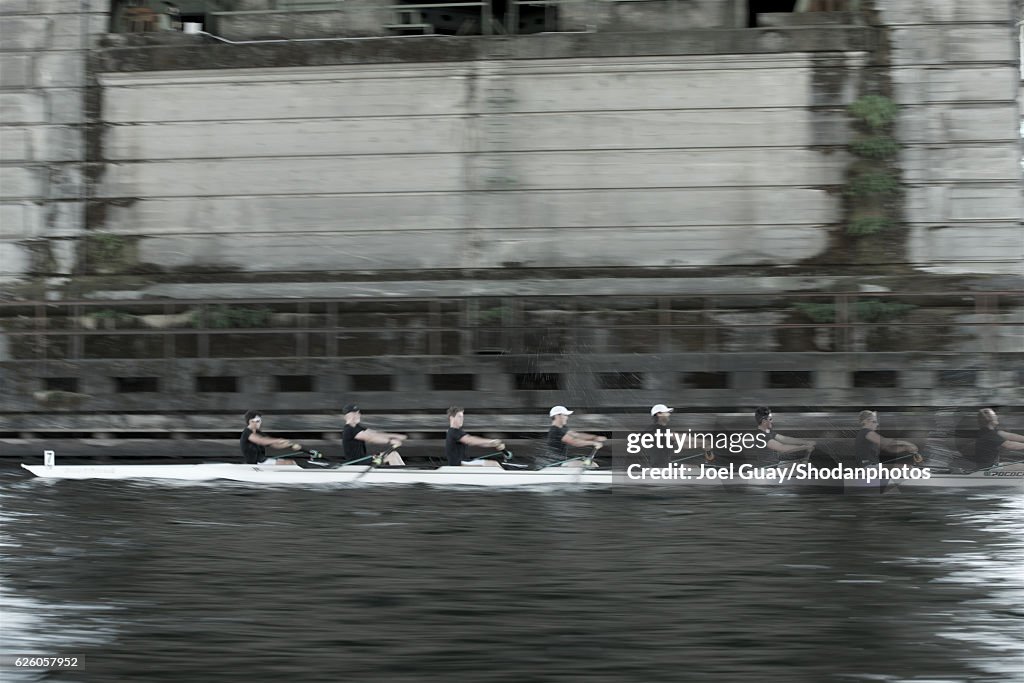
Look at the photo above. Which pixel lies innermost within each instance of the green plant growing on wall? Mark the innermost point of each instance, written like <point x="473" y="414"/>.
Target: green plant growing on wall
<point x="873" y="179"/>
<point x="875" y="147"/>
<point x="231" y="317"/>
<point x="868" y="225"/>
<point x="109" y="253"/>
<point x="873" y="184"/>
<point x="867" y="311"/>
<point x="874" y="111"/>
<point x="106" y="247"/>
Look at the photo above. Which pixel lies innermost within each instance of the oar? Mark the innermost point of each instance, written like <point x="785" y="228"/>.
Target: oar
<point x="689" y="457"/>
<point x="505" y="455"/>
<point x="904" y="457"/>
<point x="589" y="458"/>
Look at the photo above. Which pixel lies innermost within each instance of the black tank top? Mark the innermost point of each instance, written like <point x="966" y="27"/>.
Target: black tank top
<point x="252" y="453"/>
<point x="864" y="451"/>
<point x="986" y="448"/>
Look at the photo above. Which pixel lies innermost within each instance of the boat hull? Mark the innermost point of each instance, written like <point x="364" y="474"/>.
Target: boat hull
<point x="354" y="474"/>
<point x="1009" y="478"/>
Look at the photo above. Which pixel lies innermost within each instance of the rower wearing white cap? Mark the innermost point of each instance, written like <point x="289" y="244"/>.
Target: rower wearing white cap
<point x="561" y="437"/>
<point x="660" y="414"/>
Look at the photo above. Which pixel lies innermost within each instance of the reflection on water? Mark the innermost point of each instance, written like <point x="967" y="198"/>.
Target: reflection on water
<point x="229" y="582"/>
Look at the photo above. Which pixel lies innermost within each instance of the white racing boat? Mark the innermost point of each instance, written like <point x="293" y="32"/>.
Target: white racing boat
<point x="350" y="474"/>
<point x="1009" y="477"/>
<point x="1006" y="477"/>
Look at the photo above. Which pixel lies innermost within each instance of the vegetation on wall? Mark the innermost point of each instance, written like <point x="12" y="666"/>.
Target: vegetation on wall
<point x="230" y="317"/>
<point x="867" y="311"/>
<point x="873" y="179"/>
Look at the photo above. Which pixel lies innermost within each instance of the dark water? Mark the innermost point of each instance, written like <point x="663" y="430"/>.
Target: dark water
<point x="230" y="582"/>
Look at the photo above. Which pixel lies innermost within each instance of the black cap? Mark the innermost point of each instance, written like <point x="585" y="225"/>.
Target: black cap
<point x="350" y="408"/>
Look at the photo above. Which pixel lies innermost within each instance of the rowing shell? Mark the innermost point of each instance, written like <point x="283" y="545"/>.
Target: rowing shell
<point x="1010" y="477"/>
<point x="352" y="474"/>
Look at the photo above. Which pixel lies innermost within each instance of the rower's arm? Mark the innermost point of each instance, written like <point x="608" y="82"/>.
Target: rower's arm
<point x="1013" y="445"/>
<point x="1010" y="436"/>
<point x="264" y="440"/>
<point x="791" y="441"/>
<point x="373" y="436"/>
<point x="894" y="445"/>
<point x="471" y="440"/>
<point x="579" y="439"/>
<point x="778" y="447"/>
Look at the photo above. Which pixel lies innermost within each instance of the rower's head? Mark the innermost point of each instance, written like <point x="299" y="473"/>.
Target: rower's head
<point x="456" y="416"/>
<point x="987" y="419"/>
<point x="253" y="419"/>
<point x="559" y="415"/>
<point x="661" y="413"/>
<point x="763" y="417"/>
<point x="868" y="419"/>
<point x="352" y="414"/>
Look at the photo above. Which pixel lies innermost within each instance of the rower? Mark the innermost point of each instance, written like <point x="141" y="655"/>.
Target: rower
<point x="560" y="437"/>
<point x="868" y="443"/>
<point x="990" y="439"/>
<point x="777" y="445"/>
<point x="660" y="416"/>
<point x="254" y="442"/>
<point x="355" y="436"/>
<point x="456" y="440"/>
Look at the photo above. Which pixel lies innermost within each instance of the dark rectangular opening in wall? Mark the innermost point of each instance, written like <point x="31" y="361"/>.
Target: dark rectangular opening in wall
<point x="137" y="385"/>
<point x="537" y="381"/>
<point x="789" y="379"/>
<point x="958" y="378"/>
<point x="217" y="385"/>
<point x="61" y="384"/>
<point x="452" y="382"/>
<point x="620" y="380"/>
<point x="706" y="380"/>
<point x="371" y="382"/>
<point x="294" y="383"/>
<point x="876" y="379"/>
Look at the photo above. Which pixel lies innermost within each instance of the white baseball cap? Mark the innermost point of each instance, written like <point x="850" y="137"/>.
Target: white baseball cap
<point x="661" y="408"/>
<point x="559" y="410"/>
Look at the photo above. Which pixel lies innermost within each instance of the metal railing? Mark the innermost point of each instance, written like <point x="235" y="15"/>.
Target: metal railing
<point x="329" y="327"/>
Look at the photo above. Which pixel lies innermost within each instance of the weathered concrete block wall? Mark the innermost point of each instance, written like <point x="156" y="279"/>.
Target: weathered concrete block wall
<point x="632" y="161"/>
<point x="260" y="21"/>
<point x="955" y="73"/>
<point x="43" y="48"/>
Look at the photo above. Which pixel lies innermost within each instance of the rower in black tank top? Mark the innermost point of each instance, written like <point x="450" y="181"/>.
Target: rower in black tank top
<point x="865" y="452"/>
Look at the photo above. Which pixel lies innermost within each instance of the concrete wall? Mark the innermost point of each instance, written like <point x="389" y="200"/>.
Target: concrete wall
<point x="633" y="161"/>
<point x="43" y="54"/>
<point x="955" y="72"/>
<point x="689" y="148"/>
